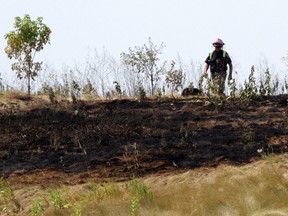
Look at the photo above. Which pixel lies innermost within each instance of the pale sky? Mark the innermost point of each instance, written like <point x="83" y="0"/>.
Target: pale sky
<point x="251" y="29"/>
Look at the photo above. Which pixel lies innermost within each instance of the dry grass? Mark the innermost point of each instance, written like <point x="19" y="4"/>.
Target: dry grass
<point x="256" y="189"/>
<point x="15" y="95"/>
<point x="14" y="101"/>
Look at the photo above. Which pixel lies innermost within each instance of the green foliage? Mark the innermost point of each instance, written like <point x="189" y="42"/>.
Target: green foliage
<point x="59" y="201"/>
<point x="200" y="83"/>
<point x="134" y="205"/>
<point x="37" y="207"/>
<point x="265" y="88"/>
<point x="139" y="189"/>
<point x="233" y="88"/>
<point x="102" y="191"/>
<point x="56" y="199"/>
<point x="265" y="155"/>
<point x="7" y="195"/>
<point x="250" y="88"/>
<point x="214" y="98"/>
<point x="77" y="211"/>
<point x="1" y="84"/>
<point x="75" y="87"/>
<point x="75" y="91"/>
<point x="118" y="89"/>
<point x="88" y="88"/>
<point x="144" y="60"/>
<point x="174" y="78"/>
<point x="49" y="90"/>
<point x="27" y="38"/>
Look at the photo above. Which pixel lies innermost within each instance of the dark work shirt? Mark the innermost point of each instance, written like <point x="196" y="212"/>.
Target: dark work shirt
<point x="218" y="62"/>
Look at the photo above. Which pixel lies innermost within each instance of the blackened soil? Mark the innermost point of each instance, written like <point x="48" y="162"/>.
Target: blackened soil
<point x="124" y="138"/>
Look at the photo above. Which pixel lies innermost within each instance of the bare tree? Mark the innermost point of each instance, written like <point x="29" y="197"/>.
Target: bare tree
<point x="99" y="67"/>
<point x="131" y="79"/>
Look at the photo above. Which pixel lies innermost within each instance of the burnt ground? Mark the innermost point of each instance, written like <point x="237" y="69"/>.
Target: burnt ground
<point x="67" y="143"/>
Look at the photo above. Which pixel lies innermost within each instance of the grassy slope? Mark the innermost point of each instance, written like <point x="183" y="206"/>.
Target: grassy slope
<point x="259" y="188"/>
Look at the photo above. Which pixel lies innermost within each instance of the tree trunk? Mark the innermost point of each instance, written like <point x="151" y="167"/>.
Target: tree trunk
<point x="152" y="84"/>
<point x="28" y="84"/>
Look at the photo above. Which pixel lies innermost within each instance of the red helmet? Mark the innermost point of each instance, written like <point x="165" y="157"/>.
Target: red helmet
<point x="218" y="42"/>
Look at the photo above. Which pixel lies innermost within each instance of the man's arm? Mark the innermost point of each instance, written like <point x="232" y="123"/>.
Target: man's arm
<point x="230" y="71"/>
<point x="205" y="72"/>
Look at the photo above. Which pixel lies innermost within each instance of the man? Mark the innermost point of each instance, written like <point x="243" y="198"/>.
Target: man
<point x="218" y="61"/>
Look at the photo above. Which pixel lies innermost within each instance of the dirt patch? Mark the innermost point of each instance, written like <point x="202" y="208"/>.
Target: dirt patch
<point x="67" y="144"/>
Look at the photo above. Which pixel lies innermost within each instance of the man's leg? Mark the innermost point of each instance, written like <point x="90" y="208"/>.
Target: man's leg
<point x="219" y="82"/>
<point x="223" y="75"/>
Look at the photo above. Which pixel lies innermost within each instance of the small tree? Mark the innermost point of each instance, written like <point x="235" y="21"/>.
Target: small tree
<point x="27" y="38"/>
<point x="1" y="84"/>
<point x="265" y="88"/>
<point x="174" y="78"/>
<point x="144" y="60"/>
<point x="118" y="89"/>
<point x="250" y="88"/>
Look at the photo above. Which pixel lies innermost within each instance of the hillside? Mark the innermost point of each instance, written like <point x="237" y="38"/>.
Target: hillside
<point x="64" y="143"/>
